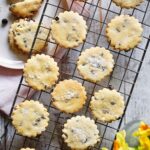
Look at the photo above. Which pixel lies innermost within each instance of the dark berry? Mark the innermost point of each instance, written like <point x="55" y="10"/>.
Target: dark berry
<point x="4" y="22"/>
<point x="56" y="18"/>
<point x="110" y="87"/>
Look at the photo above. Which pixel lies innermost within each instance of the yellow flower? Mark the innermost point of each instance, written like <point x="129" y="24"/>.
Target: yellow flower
<point x="143" y="134"/>
<point x="120" y="143"/>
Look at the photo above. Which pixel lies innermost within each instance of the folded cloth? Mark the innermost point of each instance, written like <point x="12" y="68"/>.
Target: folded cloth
<point x="9" y="79"/>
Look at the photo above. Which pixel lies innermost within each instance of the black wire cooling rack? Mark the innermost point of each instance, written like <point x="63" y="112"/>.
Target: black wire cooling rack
<point x="123" y="77"/>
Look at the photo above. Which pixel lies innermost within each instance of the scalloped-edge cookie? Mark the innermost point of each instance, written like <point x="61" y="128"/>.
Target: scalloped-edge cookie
<point x="80" y="132"/>
<point x="41" y="72"/>
<point x="69" y="96"/>
<point x="30" y="118"/>
<point x="127" y="3"/>
<point x="24" y="34"/>
<point x="25" y="8"/>
<point x="107" y="105"/>
<point x="20" y="22"/>
<point x="124" y="32"/>
<point x="95" y="63"/>
<point x="69" y="29"/>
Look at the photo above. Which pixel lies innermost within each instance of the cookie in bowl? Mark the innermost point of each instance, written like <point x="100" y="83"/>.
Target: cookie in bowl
<point x="25" y="8"/>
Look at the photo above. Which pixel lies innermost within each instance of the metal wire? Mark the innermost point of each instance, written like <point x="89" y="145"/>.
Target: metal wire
<point x="51" y="138"/>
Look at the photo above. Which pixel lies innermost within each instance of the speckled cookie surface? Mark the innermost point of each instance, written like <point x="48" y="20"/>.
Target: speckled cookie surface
<point x="30" y="118"/>
<point x="69" y="29"/>
<point x="27" y="149"/>
<point x="127" y="3"/>
<point x="95" y="63"/>
<point x="107" y="105"/>
<point x="124" y="32"/>
<point x="25" y="8"/>
<point x="11" y="35"/>
<point x="80" y="133"/>
<point x="41" y="72"/>
<point x="24" y="37"/>
<point x="69" y="96"/>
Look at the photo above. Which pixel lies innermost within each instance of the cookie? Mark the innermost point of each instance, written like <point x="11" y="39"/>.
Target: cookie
<point x="69" y="96"/>
<point x="69" y="29"/>
<point x="95" y="63"/>
<point x="127" y="3"/>
<point x="41" y="72"/>
<point x="13" y="46"/>
<point x="24" y="37"/>
<point x="30" y="118"/>
<point x="124" y="32"/>
<point x="80" y="132"/>
<point x="107" y="105"/>
<point x="14" y="1"/>
<point x="27" y="149"/>
<point x="25" y="8"/>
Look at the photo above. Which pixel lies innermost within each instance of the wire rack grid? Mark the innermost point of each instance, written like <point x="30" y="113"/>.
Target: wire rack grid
<point x="123" y="77"/>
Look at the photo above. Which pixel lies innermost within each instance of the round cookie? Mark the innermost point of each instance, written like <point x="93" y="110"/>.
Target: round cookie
<point x="127" y="3"/>
<point x="107" y="105"/>
<point x="124" y="32"/>
<point x="69" y="29"/>
<point x="20" y="22"/>
<point x="30" y="118"/>
<point x="95" y="63"/>
<point x="24" y="37"/>
<point x="69" y="96"/>
<point x="80" y="132"/>
<point x="25" y="8"/>
<point x="41" y="72"/>
<point x="27" y="149"/>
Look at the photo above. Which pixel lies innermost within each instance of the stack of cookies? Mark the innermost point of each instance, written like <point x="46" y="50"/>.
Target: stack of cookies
<point x="41" y="72"/>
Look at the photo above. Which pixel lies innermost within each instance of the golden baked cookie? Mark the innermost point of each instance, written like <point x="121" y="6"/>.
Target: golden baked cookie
<point x="127" y="3"/>
<point x="124" y="32"/>
<point x="80" y="132"/>
<point x="107" y="105"/>
<point x="95" y="63"/>
<point x="69" y="96"/>
<point x="30" y="118"/>
<point x="41" y="72"/>
<point x="24" y="37"/>
<point x="20" y="22"/>
<point x="25" y="8"/>
<point x="69" y="29"/>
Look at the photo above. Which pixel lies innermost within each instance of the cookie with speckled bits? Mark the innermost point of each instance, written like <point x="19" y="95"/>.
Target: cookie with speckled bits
<point x="24" y="37"/>
<point x="41" y="72"/>
<point x="107" y="105"/>
<point x="95" y="63"/>
<point x="20" y="22"/>
<point x="25" y="8"/>
<point x="80" y="132"/>
<point x="69" y="29"/>
<point x="124" y="32"/>
<point x="27" y="149"/>
<point x="69" y="96"/>
<point x="30" y="118"/>
<point x="127" y="3"/>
